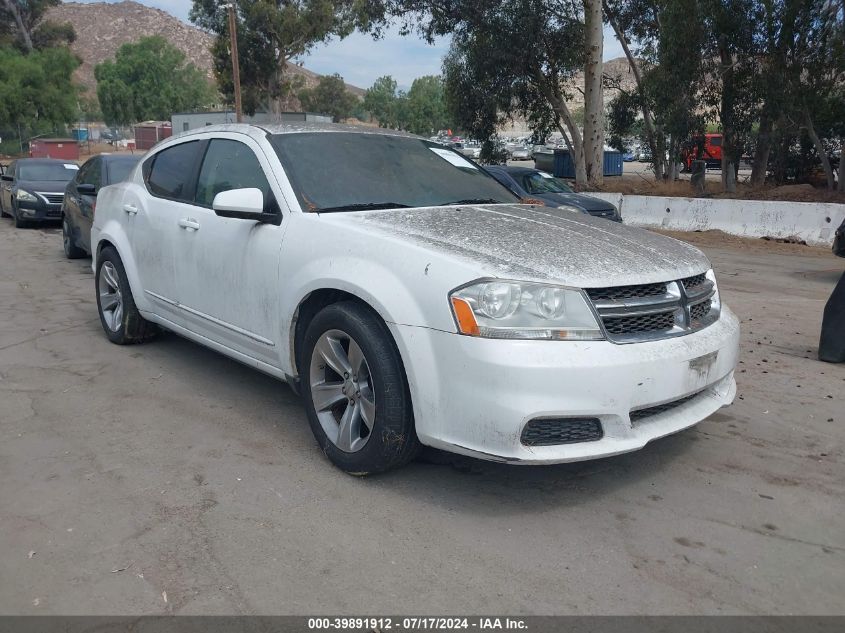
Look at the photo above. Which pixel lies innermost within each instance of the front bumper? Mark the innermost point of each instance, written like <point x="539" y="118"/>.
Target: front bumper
<point x="38" y="211"/>
<point x="474" y="396"/>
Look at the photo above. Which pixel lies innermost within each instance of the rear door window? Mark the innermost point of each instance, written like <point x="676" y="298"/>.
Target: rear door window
<point x="172" y="170"/>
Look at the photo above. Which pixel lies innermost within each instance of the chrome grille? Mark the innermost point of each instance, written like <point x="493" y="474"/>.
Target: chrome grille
<point x="626" y="292"/>
<point x="641" y="414"/>
<point x="555" y="431"/>
<point x="638" y="324"/>
<point x="700" y="310"/>
<point x="632" y="314"/>
<point x="52" y="198"/>
<point x="694" y="282"/>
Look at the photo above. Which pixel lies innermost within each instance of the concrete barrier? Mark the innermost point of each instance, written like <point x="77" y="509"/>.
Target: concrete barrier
<point x="814" y="223"/>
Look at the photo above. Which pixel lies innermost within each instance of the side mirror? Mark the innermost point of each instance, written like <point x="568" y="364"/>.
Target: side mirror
<point x="6" y="177"/>
<point x="243" y="204"/>
<point x="85" y="189"/>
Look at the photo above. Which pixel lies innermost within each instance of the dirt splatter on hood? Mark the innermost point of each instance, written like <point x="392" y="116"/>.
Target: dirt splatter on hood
<point x="524" y="242"/>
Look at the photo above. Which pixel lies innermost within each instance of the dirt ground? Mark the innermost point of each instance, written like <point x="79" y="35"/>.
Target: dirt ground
<point x="165" y="478"/>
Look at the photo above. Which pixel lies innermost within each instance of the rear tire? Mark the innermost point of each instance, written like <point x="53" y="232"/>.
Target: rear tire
<point x="119" y="316"/>
<point x="72" y="251"/>
<point x="362" y="418"/>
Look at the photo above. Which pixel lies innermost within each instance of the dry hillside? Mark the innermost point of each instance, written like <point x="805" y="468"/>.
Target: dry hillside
<point x="102" y="28"/>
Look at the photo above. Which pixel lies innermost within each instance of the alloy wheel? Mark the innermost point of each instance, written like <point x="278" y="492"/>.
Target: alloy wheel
<point x="111" y="299"/>
<point x="342" y="391"/>
<point x="66" y="236"/>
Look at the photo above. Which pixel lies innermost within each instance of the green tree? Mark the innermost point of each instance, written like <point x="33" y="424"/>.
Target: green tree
<point x="489" y="81"/>
<point x="36" y="90"/>
<point x="381" y="101"/>
<point x="21" y="21"/>
<point x="149" y="79"/>
<point x="329" y="96"/>
<point x="426" y="106"/>
<point x="270" y="34"/>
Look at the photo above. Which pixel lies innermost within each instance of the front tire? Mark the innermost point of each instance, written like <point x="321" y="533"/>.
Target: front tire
<point x="19" y="222"/>
<point x="119" y="316"/>
<point x="72" y="251"/>
<point x="355" y="391"/>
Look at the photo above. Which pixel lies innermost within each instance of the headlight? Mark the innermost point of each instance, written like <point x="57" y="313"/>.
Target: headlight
<point x="516" y="310"/>
<point x="567" y="207"/>
<point x="25" y="196"/>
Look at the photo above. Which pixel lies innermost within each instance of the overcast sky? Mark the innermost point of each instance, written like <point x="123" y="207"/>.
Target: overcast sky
<point x="361" y="61"/>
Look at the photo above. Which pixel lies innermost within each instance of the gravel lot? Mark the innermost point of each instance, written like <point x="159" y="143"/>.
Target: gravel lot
<point x="165" y="478"/>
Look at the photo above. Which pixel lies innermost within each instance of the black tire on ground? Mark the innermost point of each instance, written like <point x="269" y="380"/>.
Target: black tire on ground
<point x="72" y="251"/>
<point x="20" y="223"/>
<point x="393" y="441"/>
<point x="133" y="327"/>
<point x="832" y="341"/>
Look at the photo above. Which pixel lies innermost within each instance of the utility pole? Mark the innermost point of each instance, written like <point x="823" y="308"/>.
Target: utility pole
<point x="236" y="69"/>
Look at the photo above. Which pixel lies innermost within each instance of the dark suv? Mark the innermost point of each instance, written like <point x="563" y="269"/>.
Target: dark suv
<point x="33" y="189"/>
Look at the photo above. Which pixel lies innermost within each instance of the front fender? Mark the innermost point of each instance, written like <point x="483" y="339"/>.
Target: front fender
<point x="385" y="290"/>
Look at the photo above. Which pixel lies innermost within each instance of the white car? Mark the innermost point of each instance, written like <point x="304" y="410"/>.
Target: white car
<point x="410" y="298"/>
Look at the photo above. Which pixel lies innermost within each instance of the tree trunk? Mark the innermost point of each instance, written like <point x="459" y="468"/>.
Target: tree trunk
<point x="593" y="94"/>
<point x="633" y="63"/>
<point x="728" y="174"/>
<point x="760" y="165"/>
<point x="820" y="150"/>
<point x="551" y="91"/>
<point x="12" y="7"/>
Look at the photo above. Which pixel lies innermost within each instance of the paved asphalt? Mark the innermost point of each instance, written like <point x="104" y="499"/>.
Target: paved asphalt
<point x="165" y="478"/>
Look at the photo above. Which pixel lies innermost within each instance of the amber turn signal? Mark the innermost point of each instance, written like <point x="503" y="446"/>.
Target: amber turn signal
<point x="465" y="317"/>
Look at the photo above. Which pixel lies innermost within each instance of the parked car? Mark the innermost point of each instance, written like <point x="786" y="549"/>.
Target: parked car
<point x="80" y="198"/>
<point x="411" y="298"/>
<point x="520" y="152"/>
<point x="839" y="241"/>
<point x="533" y="183"/>
<point x="471" y="150"/>
<point x="33" y="189"/>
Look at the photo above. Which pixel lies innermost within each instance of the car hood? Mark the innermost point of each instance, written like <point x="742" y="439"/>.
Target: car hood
<point x="528" y="243"/>
<point x="587" y="203"/>
<point x="47" y="186"/>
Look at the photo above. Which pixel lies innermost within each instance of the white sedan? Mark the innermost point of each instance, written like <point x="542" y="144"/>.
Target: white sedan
<point x="411" y="298"/>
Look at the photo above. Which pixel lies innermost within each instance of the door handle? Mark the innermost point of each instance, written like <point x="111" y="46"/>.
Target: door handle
<point x="131" y="209"/>
<point x="189" y="223"/>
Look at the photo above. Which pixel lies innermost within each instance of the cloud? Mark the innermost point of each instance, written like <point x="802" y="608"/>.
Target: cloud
<point x="361" y="61"/>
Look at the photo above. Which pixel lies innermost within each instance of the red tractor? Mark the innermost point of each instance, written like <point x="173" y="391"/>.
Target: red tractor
<point x="707" y="148"/>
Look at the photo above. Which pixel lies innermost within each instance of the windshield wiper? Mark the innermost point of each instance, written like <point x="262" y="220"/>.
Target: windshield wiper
<point x="472" y="201"/>
<point x="364" y="206"/>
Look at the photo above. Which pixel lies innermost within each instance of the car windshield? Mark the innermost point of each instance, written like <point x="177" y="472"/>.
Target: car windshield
<point x="540" y="183"/>
<point x="345" y="171"/>
<point x="58" y="172"/>
<point x="119" y="169"/>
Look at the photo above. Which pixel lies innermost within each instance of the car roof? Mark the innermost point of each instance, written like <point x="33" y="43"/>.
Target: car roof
<point x="519" y="171"/>
<point x="41" y="161"/>
<point x="114" y="158"/>
<point x="297" y="127"/>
